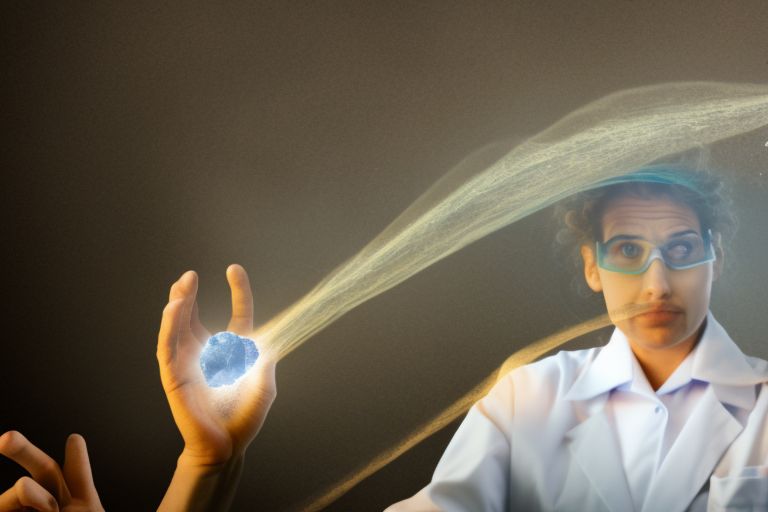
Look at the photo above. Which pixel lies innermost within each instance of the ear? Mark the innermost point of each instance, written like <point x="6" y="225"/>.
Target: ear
<point x="591" y="273"/>
<point x="717" y="266"/>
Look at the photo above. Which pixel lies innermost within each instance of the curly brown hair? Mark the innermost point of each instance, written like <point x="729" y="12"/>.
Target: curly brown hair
<point x="580" y="216"/>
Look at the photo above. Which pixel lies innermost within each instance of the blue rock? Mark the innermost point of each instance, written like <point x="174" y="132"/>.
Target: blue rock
<point x="226" y="357"/>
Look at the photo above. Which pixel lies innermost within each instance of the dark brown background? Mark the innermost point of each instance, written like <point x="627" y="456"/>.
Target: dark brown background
<point x="145" y="138"/>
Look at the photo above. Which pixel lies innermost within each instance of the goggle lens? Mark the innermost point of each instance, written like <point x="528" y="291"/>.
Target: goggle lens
<point x="632" y="255"/>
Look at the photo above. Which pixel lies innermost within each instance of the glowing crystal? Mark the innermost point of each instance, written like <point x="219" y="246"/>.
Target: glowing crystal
<point x="226" y="357"/>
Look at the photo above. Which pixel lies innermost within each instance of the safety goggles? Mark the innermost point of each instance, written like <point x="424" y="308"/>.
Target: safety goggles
<point x="633" y="255"/>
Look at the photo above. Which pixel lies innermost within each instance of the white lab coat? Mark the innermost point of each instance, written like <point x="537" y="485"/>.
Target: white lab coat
<point x="541" y="440"/>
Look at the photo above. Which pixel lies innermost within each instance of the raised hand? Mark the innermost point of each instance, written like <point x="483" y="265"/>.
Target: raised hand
<point x="49" y="489"/>
<point x="215" y="437"/>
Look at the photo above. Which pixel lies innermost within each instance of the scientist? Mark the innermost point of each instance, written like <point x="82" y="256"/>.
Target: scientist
<point x="669" y="415"/>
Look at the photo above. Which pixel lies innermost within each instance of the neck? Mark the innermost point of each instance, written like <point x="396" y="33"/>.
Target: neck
<point x="659" y="363"/>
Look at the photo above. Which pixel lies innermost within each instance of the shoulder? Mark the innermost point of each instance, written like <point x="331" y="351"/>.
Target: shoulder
<point x="556" y="372"/>
<point x="758" y="364"/>
<point x="541" y="384"/>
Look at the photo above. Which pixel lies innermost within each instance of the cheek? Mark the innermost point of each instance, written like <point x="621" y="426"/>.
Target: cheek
<point x="619" y="290"/>
<point x="700" y="299"/>
<point x="696" y="286"/>
<point x="616" y="284"/>
<point x="693" y="291"/>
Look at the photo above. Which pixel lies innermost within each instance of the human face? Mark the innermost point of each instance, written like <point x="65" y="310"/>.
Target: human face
<point x="669" y="306"/>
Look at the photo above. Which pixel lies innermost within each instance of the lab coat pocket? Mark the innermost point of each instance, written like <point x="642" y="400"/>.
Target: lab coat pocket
<point x="745" y="492"/>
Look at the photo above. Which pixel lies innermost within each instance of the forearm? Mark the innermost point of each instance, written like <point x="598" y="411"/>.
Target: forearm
<point x="202" y="489"/>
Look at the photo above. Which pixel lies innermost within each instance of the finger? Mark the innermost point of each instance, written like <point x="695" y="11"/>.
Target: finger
<point x="43" y="469"/>
<point x="200" y="332"/>
<point x="176" y="324"/>
<point x="77" y="470"/>
<point x="242" y="301"/>
<point x="170" y="328"/>
<point x="185" y="287"/>
<point x="27" y="493"/>
<point x="177" y="349"/>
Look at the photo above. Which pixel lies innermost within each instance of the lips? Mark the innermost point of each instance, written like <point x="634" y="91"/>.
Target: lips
<point x="664" y="310"/>
<point x="661" y="314"/>
<point x="635" y="310"/>
<point x="660" y="308"/>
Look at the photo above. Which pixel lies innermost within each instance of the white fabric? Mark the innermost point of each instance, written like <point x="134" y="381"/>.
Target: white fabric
<point x="579" y="431"/>
<point x="647" y="422"/>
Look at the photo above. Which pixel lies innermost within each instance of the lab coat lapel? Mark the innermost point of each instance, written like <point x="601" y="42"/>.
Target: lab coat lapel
<point x="701" y="443"/>
<point x="595" y="449"/>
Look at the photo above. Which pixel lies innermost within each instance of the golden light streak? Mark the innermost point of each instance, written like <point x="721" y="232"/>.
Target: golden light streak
<point x="606" y="138"/>
<point x="494" y="187"/>
<point x="522" y="357"/>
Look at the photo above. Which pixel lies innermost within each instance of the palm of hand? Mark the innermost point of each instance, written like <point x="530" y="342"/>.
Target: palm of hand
<point x="212" y="434"/>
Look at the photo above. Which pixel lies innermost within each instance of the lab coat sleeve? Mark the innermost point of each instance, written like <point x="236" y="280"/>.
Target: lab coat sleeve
<point x="473" y="473"/>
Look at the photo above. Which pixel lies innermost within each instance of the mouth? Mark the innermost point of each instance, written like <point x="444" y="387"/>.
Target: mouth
<point x="629" y="311"/>
<point x="660" y="314"/>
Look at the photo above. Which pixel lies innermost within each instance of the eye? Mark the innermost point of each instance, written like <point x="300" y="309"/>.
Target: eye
<point x="629" y="250"/>
<point x="680" y="250"/>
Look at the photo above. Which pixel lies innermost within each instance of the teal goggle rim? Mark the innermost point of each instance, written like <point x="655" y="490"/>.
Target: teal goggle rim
<point x="657" y="254"/>
<point x="665" y="174"/>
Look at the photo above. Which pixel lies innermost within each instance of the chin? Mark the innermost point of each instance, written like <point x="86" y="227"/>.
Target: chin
<point x="657" y="338"/>
<point x="668" y="340"/>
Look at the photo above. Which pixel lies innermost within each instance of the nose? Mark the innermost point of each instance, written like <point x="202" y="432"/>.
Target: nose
<point x="656" y="281"/>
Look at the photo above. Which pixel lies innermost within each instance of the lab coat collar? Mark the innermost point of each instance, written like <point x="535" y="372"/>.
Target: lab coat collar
<point x="610" y="369"/>
<point x="716" y="360"/>
<point x="719" y="361"/>
<point x="707" y="434"/>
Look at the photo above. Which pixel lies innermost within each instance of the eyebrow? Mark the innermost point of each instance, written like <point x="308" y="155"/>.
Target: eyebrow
<point x="685" y="232"/>
<point x="637" y="237"/>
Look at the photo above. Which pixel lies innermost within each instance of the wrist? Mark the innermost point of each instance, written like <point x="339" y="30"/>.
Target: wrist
<point x="201" y="486"/>
<point x="195" y="462"/>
